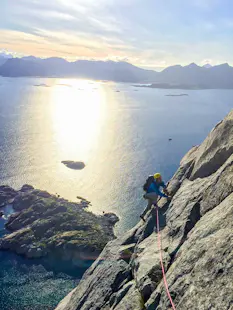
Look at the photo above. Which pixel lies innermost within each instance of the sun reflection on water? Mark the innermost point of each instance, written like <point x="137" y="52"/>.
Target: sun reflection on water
<point x="78" y="114"/>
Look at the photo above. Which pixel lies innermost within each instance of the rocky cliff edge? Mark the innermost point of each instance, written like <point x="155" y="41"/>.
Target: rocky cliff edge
<point x="197" y="242"/>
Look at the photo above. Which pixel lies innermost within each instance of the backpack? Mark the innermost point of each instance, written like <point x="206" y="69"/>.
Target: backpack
<point x="149" y="180"/>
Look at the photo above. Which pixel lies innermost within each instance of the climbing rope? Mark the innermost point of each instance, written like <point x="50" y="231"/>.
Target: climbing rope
<point x="161" y="259"/>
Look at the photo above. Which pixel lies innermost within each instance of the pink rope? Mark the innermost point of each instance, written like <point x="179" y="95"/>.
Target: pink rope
<point x="161" y="260"/>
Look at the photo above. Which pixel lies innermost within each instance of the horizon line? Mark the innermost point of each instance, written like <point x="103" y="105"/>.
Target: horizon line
<point x="12" y="55"/>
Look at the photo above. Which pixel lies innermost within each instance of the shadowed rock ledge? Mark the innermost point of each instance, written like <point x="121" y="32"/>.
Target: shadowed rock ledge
<point x="197" y="241"/>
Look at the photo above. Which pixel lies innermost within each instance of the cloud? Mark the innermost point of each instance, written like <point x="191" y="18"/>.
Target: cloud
<point x="145" y="32"/>
<point x="207" y="61"/>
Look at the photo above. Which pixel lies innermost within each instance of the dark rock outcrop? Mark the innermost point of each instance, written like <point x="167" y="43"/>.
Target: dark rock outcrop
<point x="51" y="227"/>
<point x="197" y="242"/>
<point x="76" y="165"/>
<point x="7" y="194"/>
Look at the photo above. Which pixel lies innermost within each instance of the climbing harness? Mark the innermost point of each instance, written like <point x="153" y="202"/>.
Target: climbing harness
<point x="161" y="259"/>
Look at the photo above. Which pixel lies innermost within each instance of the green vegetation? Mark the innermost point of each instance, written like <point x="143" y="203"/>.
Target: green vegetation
<point x="56" y="227"/>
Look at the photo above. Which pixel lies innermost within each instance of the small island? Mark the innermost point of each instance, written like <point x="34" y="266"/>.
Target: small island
<point x="174" y="95"/>
<point x="53" y="228"/>
<point x="76" y="165"/>
<point x="42" y="85"/>
<point x="172" y="86"/>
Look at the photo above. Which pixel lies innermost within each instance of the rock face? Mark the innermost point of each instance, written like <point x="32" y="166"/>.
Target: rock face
<point x="47" y="226"/>
<point x="197" y="242"/>
<point x="215" y="150"/>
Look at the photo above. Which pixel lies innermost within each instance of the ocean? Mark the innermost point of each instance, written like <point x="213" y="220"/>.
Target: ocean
<point x="122" y="133"/>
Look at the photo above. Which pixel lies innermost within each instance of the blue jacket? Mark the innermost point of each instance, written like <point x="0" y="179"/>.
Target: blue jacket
<point x="155" y="188"/>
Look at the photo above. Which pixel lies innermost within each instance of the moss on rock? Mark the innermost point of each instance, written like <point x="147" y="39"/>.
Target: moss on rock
<point x="47" y="225"/>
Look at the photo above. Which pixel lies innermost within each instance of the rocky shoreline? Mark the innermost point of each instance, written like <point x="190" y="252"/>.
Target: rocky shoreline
<point x="197" y="242"/>
<point x="47" y="226"/>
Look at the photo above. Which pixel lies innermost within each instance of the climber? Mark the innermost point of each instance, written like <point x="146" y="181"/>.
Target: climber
<point x="152" y="189"/>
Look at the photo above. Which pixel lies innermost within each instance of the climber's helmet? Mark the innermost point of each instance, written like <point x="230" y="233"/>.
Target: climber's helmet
<point x="158" y="177"/>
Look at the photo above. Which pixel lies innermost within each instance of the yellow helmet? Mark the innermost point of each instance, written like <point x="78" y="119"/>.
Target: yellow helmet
<point x="157" y="176"/>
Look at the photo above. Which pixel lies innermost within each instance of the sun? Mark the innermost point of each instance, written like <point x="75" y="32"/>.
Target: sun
<point x="77" y="112"/>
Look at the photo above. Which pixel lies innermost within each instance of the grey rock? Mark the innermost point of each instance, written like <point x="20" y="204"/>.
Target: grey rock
<point x="90" y="294"/>
<point x="190" y="156"/>
<point x="7" y="194"/>
<point x="194" y="199"/>
<point x="126" y="252"/>
<point x="146" y="264"/>
<point x="201" y="275"/>
<point x="24" y="201"/>
<point x="129" y="298"/>
<point x="42" y="194"/>
<point x="118" y="296"/>
<point x="215" y="150"/>
<point x="196" y="228"/>
<point x="112" y="218"/>
<point x="26" y="188"/>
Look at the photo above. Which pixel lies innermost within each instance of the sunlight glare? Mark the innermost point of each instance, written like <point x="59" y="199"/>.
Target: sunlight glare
<point x="77" y="112"/>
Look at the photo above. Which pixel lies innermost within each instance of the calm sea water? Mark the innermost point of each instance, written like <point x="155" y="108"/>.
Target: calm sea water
<point x="120" y="132"/>
<point x="27" y="285"/>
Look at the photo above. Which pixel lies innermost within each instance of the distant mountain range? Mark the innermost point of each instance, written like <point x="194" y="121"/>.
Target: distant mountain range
<point x="183" y="77"/>
<point x="59" y="67"/>
<point x="3" y="58"/>
<point x="196" y="77"/>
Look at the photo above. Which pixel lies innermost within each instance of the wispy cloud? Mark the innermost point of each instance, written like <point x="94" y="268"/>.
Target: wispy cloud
<point x="146" y="32"/>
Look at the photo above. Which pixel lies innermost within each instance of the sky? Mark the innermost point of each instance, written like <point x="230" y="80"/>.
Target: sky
<point x="148" y="33"/>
